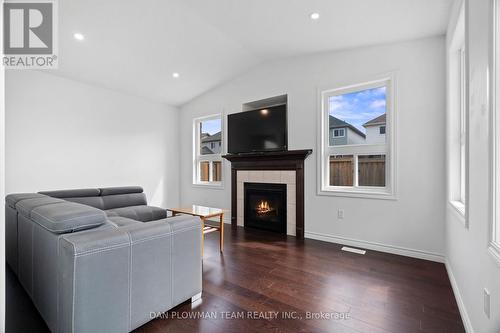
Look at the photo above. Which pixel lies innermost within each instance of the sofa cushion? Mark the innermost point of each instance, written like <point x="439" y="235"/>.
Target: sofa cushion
<point x="120" y="190"/>
<point x="76" y="193"/>
<point x="124" y="200"/>
<point x="119" y="221"/>
<point x="25" y="207"/>
<point x="13" y="199"/>
<point x="141" y="213"/>
<point x="66" y="217"/>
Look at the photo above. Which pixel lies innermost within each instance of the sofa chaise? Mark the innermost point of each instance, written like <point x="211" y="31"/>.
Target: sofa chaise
<point x="101" y="260"/>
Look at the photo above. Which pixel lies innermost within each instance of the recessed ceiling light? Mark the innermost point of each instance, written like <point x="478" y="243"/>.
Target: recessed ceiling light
<point x="314" y="16"/>
<point x="78" y="36"/>
<point x="175" y="75"/>
<point x="264" y="112"/>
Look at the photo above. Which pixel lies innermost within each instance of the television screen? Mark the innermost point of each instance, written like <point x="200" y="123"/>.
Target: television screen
<point x="258" y="130"/>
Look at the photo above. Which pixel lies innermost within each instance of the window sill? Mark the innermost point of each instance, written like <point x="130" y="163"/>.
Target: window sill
<point x="459" y="209"/>
<point x="494" y="250"/>
<point x="363" y="194"/>
<point x="458" y="206"/>
<point x="212" y="186"/>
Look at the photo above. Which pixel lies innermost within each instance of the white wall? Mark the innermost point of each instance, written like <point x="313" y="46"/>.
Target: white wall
<point x="470" y="266"/>
<point x="64" y="134"/>
<point x="414" y="223"/>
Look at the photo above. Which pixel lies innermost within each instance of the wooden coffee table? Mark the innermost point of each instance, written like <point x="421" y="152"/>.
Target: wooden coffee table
<point x="205" y="213"/>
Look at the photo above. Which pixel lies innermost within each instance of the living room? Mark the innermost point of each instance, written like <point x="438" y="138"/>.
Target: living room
<point x="281" y="166"/>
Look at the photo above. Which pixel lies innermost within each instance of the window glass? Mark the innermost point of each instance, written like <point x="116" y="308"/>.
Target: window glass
<point x="208" y="146"/>
<point x="210" y="136"/>
<point x="371" y="170"/>
<point x="204" y="171"/>
<point x="341" y="170"/>
<point x="217" y="171"/>
<point x="360" y="114"/>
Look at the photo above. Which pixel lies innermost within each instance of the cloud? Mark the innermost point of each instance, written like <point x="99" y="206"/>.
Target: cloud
<point x="359" y="107"/>
<point x="378" y="103"/>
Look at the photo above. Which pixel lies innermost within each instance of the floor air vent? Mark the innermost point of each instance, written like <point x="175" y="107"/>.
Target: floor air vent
<point x="353" y="250"/>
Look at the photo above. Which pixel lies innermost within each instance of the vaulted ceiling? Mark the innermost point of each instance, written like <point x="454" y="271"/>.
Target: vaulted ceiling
<point x="136" y="46"/>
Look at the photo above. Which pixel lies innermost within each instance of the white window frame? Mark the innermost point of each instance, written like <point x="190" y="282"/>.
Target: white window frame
<point x="339" y="129"/>
<point x="494" y="243"/>
<point x="197" y="157"/>
<point x="388" y="149"/>
<point x="380" y="128"/>
<point x="458" y="121"/>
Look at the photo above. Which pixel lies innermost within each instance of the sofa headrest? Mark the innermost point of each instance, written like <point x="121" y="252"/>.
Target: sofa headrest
<point x="76" y="193"/>
<point x="120" y="190"/>
<point x="13" y="199"/>
<point x="67" y="217"/>
<point x="24" y="207"/>
<point x="124" y="200"/>
<point x="95" y="202"/>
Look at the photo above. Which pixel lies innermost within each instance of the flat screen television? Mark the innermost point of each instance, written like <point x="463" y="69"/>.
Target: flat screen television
<point x="258" y="130"/>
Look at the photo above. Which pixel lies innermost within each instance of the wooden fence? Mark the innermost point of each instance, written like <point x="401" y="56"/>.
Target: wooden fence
<point x="216" y="171"/>
<point x="371" y="170"/>
<point x="341" y="171"/>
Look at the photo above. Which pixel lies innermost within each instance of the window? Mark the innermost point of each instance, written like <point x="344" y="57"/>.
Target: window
<point x="357" y="159"/>
<point x="339" y="133"/>
<point x="463" y="122"/>
<point x="207" y="151"/>
<point x="495" y="118"/>
<point x="458" y="119"/>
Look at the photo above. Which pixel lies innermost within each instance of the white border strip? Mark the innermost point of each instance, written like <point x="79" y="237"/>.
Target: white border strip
<point x="2" y="187"/>
<point x="376" y="246"/>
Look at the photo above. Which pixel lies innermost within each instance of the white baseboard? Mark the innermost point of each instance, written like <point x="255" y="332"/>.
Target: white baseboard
<point x="458" y="297"/>
<point x="376" y="246"/>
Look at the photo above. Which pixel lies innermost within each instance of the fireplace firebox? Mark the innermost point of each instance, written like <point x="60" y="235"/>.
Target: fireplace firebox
<point x="265" y="206"/>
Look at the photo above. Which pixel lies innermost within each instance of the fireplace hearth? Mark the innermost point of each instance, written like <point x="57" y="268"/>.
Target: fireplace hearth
<point x="265" y="206"/>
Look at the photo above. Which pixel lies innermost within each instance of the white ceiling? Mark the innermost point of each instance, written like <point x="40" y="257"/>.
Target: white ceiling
<point x="135" y="46"/>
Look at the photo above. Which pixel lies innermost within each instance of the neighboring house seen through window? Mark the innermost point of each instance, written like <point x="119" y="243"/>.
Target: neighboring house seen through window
<point x="207" y="151"/>
<point x="359" y="160"/>
<point x="338" y="133"/>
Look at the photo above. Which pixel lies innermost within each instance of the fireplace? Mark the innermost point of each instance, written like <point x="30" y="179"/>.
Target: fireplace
<point x="265" y="206"/>
<point x="272" y="167"/>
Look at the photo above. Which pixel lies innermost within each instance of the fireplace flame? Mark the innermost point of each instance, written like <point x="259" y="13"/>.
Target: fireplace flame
<point x="263" y="207"/>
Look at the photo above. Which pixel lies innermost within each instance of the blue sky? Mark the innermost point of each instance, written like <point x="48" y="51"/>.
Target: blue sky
<point x="359" y="107"/>
<point x="211" y="126"/>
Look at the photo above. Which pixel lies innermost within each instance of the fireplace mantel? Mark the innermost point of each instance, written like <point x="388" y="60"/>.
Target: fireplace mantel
<point x="283" y="160"/>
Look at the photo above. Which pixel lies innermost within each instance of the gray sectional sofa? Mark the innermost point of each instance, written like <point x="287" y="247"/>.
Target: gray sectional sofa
<point x="101" y="260"/>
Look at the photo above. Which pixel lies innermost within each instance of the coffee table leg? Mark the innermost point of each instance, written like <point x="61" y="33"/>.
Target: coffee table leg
<point x="221" y="245"/>
<point x="202" y="235"/>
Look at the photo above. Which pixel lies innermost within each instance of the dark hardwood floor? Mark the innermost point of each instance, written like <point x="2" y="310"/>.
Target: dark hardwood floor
<point x="262" y="273"/>
<point x="20" y="313"/>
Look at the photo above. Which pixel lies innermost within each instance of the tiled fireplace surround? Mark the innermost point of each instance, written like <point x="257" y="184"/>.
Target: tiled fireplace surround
<point x="271" y="177"/>
<point x="281" y="167"/>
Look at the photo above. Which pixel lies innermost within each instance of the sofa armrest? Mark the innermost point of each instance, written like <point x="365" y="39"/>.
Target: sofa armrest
<point x="187" y="257"/>
<point x="112" y="280"/>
